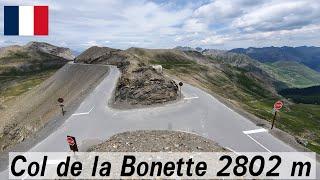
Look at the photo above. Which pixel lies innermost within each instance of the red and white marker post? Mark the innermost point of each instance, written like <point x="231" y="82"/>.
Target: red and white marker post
<point x="277" y="106"/>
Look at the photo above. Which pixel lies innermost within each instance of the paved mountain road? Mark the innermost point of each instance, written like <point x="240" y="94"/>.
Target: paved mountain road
<point x="199" y="112"/>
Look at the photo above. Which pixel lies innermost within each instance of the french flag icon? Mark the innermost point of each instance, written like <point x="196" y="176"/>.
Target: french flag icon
<point x="26" y="20"/>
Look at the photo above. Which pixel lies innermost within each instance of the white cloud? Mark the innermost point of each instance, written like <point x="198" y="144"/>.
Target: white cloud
<point x="91" y="43"/>
<point x="146" y="23"/>
<point x="219" y="10"/>
<point x="278" y="16"/>
<point x="214" y="40"/>
<point x="195" y="25"/>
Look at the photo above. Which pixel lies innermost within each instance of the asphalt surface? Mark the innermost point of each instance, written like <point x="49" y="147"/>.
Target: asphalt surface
<point x="94" y="121"/>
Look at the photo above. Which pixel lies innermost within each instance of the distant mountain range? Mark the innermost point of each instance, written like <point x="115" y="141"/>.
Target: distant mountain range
<point x="187" y="48"/>
<point x="309" y="56"/>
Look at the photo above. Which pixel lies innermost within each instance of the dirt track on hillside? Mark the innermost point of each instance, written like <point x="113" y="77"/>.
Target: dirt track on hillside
<point x="32" y="111"/>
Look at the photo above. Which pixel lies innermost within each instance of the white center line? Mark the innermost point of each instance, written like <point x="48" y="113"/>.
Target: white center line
<point x="258" y="143"/>
<point x="85" y="113"/>
<point x="191" y="97"/>
<point x="255" y="131"/>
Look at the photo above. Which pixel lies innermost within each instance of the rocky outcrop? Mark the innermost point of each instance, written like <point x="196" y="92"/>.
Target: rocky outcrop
<point x="145" y="86"/>
<point x="139" y="84"/>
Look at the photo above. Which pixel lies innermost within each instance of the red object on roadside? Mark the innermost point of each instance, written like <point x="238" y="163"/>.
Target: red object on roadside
<point x="70" y="140"/>
<point x="278" y="105"/>
<point x="72" y="143"/>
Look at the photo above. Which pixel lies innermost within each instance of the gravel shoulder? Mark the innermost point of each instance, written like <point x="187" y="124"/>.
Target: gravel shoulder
<point x="157" y="141"/>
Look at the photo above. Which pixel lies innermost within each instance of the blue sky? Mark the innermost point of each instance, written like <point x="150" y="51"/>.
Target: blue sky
<point x="219" y="24"/>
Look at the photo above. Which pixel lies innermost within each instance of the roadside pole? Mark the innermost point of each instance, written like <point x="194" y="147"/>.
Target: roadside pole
<point x="180" y="86"/>
<point x="276" y="107"/>
<point x="274" y="119"/>
<point x="60" y="101"/>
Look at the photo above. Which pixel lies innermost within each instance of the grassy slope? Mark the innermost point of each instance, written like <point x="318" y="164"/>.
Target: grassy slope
<point x="236" y="85"/>
<point x="12" y="86"/>
<point x="293" y="74"/>
<point x="21" y="70"/>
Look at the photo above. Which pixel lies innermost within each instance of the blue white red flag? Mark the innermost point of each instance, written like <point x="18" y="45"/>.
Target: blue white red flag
<point x="26" y="20"/>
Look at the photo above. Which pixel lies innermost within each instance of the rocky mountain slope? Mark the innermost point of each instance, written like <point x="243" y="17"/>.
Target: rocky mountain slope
<point x="31" y="57"/>
<point x="63" y="52"/>
<point x="103" y="55"/>
<point x="139" y="84"/>
<point x="309" y="56"/>
<point x="23" y="67"/>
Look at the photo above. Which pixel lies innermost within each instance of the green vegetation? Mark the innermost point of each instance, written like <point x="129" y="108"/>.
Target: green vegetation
<point x="22" y="68"/>
<point x="292" y="73"/>
<point x="15" y="83"/>
<point x="310" y="95"/>
<point x="16" y="55"/>
<point x="28" y="70"/>
<point x="24" y="83"/>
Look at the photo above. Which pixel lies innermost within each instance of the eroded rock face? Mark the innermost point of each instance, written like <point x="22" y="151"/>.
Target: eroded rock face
<point x="145" y="86"/>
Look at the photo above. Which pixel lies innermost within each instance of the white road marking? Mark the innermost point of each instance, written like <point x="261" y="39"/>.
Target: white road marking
<point x="255" y="131"/>
<point x="187" y="98"/>
<point x="258" y="143"/>
<point x="85" y="113"/>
